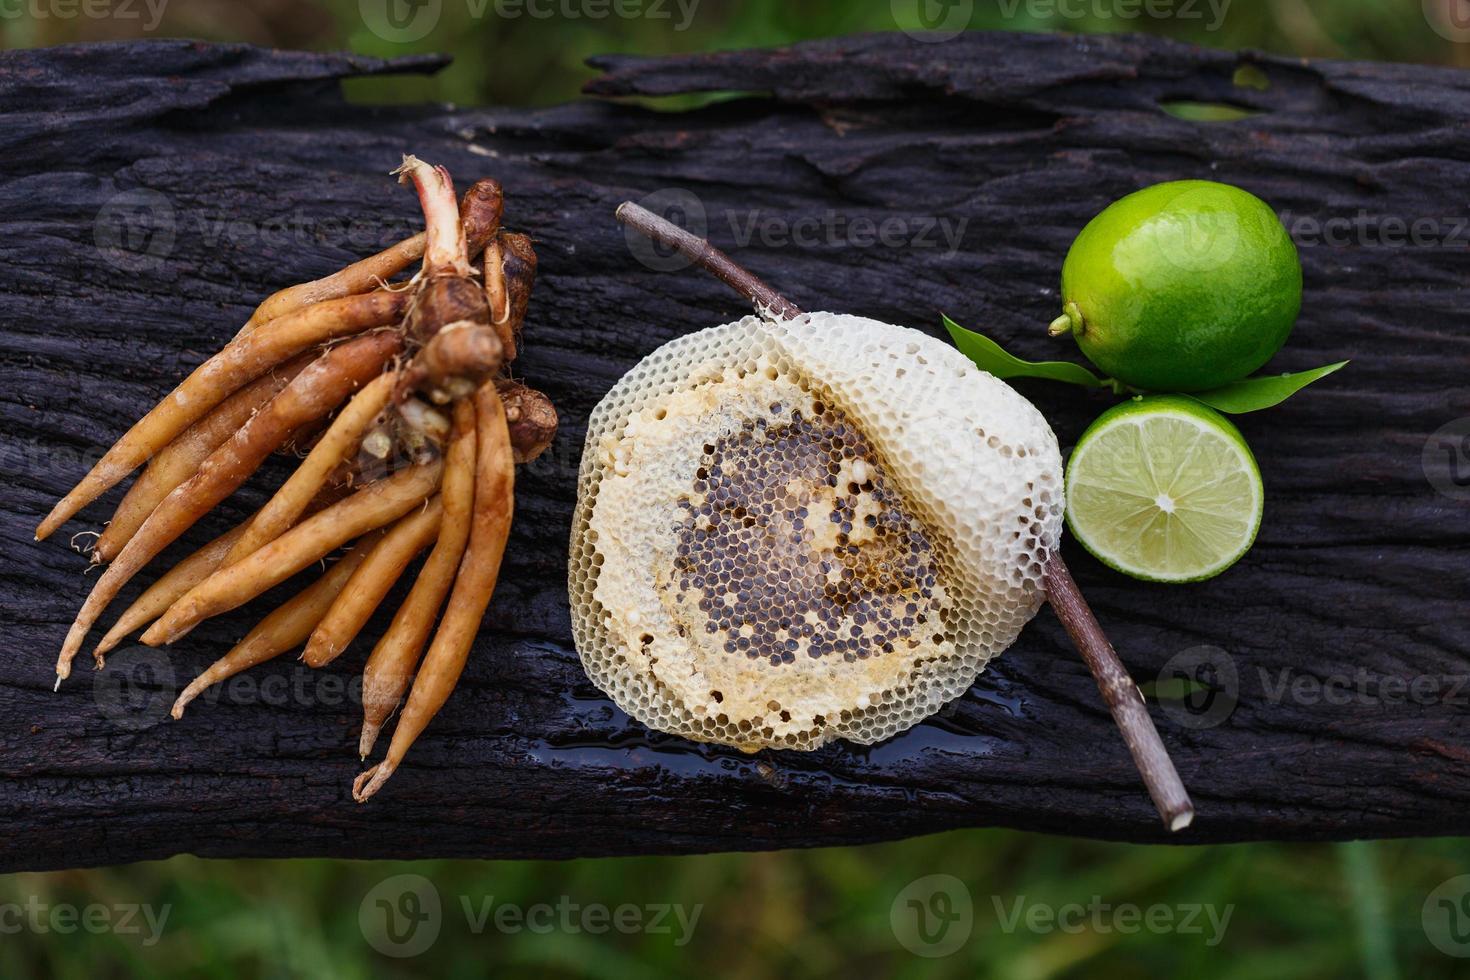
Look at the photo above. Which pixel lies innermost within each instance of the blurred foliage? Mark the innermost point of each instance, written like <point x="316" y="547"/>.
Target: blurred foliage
<point x="1299" y="911"/>
<point x="1296" y="912"/>
<point x="518" y="52"/>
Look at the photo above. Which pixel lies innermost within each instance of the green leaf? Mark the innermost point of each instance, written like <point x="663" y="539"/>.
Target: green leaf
<point x="1172" y="688"/>
<point x="990" y="356"/>
<point x="1236" y="398"/>
<point x="1254" y="394"/>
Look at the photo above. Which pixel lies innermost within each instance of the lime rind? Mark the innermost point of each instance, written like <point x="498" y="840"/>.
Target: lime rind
<point x="1165" y="490"/>
<point x="1182" y="286"/>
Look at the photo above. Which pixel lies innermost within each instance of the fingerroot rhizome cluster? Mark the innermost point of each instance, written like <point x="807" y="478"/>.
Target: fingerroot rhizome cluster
<point x="402" y="395"/>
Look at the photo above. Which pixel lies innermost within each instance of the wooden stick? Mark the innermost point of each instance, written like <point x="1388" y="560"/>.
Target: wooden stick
<point x="1118" y="689"/>
<point x="707" y="257"/>
<point x="1122" y="695"/>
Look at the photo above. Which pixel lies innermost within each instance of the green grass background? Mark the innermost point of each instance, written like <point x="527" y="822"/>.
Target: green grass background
<point x="1299" y="911"/>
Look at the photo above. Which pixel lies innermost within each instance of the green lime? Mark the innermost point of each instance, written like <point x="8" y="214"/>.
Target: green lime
<point x="1181" y="286"/>
<point x="1165" y="489"/>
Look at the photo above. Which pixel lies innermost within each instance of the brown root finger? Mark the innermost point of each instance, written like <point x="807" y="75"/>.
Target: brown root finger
<point x="531" y="418"/>
<point x="219" y="377"/>
<point x="191" y="571"/>
<point x="366" y="510"/>
<point x="337" y="444"/>
<point x="453" y="363"/>
<point x="182" y="458"/>
<point x="444" y="301"/>
<point x="447" y="250"/>
<point x="478" y="572"/>
<point x="304" y="439"/>
<point x="284" y="628"/>
<point x="419" y="417"/>
<point x="479" y="212"/>
<point x="319" y="388"/>
<point x="402" y="544"/>
<point x="391" y="665"/>
<point x="362" y="276"/>
<point x="174" y="583"/>
<point x="497" y="295"/>
<point x="510" y="274"/>
<point x="519" y="259"/>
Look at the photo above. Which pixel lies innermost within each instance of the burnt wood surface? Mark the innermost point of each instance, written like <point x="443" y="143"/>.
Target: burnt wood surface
<point x="151" y="194"/>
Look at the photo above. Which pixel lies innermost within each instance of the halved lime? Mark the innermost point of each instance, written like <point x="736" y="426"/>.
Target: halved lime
<point x="1164" y="489"/>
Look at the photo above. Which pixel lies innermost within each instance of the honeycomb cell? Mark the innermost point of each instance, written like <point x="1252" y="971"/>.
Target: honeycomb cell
<point x="745" y="524"/>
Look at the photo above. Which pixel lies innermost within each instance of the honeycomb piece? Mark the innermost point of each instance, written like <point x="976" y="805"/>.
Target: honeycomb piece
<point x="789" y="532"/>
